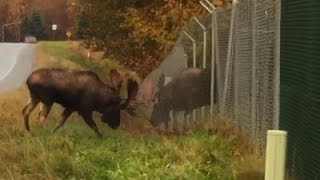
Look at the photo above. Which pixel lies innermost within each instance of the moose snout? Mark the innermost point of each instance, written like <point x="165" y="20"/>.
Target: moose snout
<point x="112" y="119"/>
<point x="113" y="125"/>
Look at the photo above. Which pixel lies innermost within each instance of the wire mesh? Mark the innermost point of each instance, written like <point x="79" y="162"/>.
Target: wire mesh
<point x="252" y="83"/>
<point x="243" y="66"/>
<point x="223" y="30"/>
<point x="265" y="55"/>
<point x="245" y="52"/>
<point x="194" y="45"/>
<point x="300" y="95"/>
<point x="196" y="32"/>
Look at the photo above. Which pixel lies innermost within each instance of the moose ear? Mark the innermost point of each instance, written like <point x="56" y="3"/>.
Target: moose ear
<point x="132" y="87"/>
<point x="116" y="79"/>
<point x="129" y="105"/>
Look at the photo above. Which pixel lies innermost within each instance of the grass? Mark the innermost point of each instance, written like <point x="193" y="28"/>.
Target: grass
<point x="58" y="50"/>
<point x="134" y="151"/>
<point x="75" y="55"/>
<point x="75" y="153"/>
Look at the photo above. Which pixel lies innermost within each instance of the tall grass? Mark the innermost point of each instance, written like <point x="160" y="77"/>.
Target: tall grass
<point x="131" y="152"/>
<point x="75" y="153"/>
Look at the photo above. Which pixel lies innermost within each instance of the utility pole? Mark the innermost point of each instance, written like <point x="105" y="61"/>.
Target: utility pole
<point x="8" y="24"/>
<point x="2" y="34"/>
<point x="54" y="28"/>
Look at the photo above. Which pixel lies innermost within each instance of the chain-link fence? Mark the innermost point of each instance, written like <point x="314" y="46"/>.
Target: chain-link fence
<point x="241" y="39"/>
<point x="192" y="49"/>
<point x="300" y="84"/>
<point x="251" y="83"/>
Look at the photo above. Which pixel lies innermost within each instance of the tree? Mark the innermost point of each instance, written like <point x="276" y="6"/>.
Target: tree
<point x="138" y="33"/>
<point x="38" y="25"/>
<point x="54" y="12"/>
<point x="26" y="26"/>
<point x="33" y="24"/>
<point x="10" y="12"/>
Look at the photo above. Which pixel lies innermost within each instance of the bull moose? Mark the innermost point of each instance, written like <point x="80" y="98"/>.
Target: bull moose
<point x="78" y="91"/>
<point x="188" y="91"/>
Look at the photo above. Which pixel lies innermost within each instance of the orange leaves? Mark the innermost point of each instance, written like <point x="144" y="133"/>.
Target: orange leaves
<point x="141" y="37"/>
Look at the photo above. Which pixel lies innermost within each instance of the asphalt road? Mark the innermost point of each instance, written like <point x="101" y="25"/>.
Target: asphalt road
<point x="16" y="63"/>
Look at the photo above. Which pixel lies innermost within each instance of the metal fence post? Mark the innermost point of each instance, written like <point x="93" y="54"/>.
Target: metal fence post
<point x="2" y="29"/>
<point x="204" y="53"/>
<point x="216" y="53"/>
<point x="213" y="52"/>
<point x="254" y="70"/>
<point x="236" y="85"/>
<point x="276" y="93"/>
<point x="194" y="45"/>
<point x="229" y="58"/>
<point x="168" y="79"/>
<point x="8" y="24"/>
<point x="204" y="41"/>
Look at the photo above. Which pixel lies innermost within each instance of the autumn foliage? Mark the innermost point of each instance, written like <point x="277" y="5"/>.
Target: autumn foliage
<point x="138" y="33"/>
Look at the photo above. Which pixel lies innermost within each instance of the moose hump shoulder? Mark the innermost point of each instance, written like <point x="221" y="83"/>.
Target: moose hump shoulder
<point x="186" y="92"/>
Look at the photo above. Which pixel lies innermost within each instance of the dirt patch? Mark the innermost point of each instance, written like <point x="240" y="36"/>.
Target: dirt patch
<point x="250" y="175"/>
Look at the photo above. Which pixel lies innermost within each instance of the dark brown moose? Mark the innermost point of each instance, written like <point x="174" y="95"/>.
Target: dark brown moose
<point x="80" y="91"/>
<point x="188" y="91"/>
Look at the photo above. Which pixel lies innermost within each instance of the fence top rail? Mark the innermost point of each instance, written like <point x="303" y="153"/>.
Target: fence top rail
<point x="206" y="7"/>
<point x="201" y="25"/>
<point x="188" y="35"/>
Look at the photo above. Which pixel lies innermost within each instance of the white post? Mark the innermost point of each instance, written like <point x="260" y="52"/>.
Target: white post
<point x="276" y="155"/>
<point x="204" y="53"/>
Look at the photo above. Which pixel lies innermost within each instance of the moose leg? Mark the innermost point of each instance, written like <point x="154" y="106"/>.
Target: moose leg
<point x="166" y="125"/>
<point x="90" y="122"/>
<point x="32" y="103"/>
<point x="40" y="110"/>
<point x="44" y="112"/>
<point x="26" y="106"/>
<point x="187" y="120"/>
<point x="175" y="119"/>
<point x="65" y="115"/>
